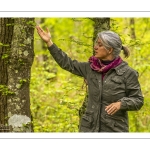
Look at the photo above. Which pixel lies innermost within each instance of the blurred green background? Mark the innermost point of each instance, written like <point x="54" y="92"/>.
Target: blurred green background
<point x="56" y="95"/>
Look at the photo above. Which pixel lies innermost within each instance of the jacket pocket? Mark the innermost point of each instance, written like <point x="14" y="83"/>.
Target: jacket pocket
<point x="116" y="118"/>
<point x="116" y="85"/>
<point x="118" y="124"/>
<point x="87" y="120"/>
<point x="116" y="82"/>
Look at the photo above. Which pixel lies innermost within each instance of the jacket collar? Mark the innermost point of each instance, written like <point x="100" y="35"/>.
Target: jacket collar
<point x="121" y="69"/>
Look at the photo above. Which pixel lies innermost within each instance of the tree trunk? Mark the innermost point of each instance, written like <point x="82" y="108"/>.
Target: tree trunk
<point x="15" y="106"/>
<point x="133" y="37"/>
<point x="6" y="32"/>
<point x="100" y="24"/>
<point x="132" y="28"/>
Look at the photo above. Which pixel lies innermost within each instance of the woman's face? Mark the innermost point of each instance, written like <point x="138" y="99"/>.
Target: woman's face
<point x="102" y="53"/>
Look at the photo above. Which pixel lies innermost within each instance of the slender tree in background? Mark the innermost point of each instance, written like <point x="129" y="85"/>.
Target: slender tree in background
<point x="99" y="25"/>
<point x="133" y="37"/>
<point x="132" y="28"/>
<point x="16" y="58"/>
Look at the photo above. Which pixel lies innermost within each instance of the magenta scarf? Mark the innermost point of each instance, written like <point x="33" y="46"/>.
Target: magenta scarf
<point x="98" y="66"/>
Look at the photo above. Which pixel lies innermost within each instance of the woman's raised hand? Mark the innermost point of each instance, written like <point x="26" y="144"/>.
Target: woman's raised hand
<point x="45" y="35"/>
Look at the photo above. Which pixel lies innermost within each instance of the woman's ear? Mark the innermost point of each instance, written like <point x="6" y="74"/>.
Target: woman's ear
<point x="110" y="50"/>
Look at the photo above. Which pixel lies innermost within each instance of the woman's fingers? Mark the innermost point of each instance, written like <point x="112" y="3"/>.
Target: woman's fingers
<point x="113" y="108"/>
<point x="40" y="30"/>
<point x="45" y="35"/>
<point x="47" y="30"/>
<point x="112" y="111"/>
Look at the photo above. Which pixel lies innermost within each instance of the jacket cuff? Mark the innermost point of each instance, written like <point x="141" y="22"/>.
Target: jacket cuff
<point x="123" y="104"/>
<point x="51" y="47"/>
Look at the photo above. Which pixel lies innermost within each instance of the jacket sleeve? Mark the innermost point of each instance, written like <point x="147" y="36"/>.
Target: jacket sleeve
<point x="134" y="99"/>
<point x="65" y="62"/>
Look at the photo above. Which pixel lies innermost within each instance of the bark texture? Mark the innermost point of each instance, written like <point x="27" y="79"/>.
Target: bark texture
<point x="6" y="33"/>
<point x="17" y="73"/>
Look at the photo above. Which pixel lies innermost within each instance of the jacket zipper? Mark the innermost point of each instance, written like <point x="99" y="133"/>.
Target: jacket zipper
<point x="100" y="83"/>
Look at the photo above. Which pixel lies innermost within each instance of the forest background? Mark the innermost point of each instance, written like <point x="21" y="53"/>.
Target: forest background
<point x="56" y="95"/>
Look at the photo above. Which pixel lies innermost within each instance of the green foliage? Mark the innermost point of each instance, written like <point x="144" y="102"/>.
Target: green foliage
<point x="5" y="90"/>
<point x="2" y="44"/>
<point x="55" y="101"/>
<point x="21" y="82"/>
<point x="4" y="56"/>
<point x="31" y="23"/>
<point x="56" y="95"/>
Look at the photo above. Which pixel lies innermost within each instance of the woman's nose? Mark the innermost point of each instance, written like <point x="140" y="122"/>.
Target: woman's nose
<point x="95" y="47"/>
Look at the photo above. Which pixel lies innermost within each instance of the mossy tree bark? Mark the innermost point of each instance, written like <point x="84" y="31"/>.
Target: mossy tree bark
<point x="6" y="33"/>
<point x="17" y="58"/>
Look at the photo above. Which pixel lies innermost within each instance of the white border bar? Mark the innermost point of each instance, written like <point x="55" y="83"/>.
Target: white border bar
<point x="66" y="14"/>
<point x="75" y="135"/>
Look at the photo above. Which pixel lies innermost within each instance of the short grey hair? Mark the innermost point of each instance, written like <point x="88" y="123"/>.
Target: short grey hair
<point x="109" y="40"/>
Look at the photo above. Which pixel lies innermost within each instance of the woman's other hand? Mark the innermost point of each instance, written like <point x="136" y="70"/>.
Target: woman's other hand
<point x="113" y="108"/>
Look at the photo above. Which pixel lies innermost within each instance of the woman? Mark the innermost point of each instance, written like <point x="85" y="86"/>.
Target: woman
<point x="113" y="86"/>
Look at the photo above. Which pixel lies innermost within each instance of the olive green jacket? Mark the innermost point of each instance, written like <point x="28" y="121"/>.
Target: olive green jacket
<point x="119" y="84"/>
